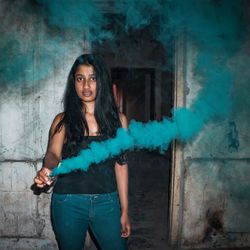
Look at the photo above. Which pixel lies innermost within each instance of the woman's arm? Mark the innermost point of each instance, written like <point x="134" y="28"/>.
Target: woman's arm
<point x="53" y="153"/>
<point x="121" y="172"/>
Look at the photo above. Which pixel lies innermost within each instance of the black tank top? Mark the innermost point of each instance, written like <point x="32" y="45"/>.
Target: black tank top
<point x="98" y="179"/>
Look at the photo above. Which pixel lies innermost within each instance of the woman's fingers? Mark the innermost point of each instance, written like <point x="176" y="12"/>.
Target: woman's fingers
<point x="126" y="226"/>
<point x="126" y="231"/>
<point x="42" y="177"/>
<point x="38" y="182"/>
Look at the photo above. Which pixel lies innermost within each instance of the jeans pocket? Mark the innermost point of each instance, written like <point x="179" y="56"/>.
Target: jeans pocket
<point x="113" y="205"/>
<point x="60" y="198"/>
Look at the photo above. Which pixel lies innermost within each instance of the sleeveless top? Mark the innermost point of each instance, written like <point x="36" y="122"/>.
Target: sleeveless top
<point x="98" y="179"/>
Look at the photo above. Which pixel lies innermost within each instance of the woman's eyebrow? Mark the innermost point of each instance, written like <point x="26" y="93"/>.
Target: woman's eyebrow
<point x="79" y="74"/>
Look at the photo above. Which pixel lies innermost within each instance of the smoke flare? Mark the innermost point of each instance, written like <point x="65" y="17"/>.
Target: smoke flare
<point x="215" y="27"/>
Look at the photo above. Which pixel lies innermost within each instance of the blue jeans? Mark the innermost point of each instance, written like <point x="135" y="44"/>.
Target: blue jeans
<point x="72" y="214"/>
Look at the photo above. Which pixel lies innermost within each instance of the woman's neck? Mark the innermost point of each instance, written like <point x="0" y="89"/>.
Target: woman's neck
<point x="89" y="108"/>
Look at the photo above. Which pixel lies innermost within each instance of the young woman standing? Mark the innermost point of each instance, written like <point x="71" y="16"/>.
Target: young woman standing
<point x="98" y="198"/>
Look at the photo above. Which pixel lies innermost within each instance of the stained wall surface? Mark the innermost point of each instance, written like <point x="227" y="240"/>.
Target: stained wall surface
<point x="36" y="62"/>
<point x="34" y="70"/>
<point x="216" y="164"/>
<point x="216" y="167"/>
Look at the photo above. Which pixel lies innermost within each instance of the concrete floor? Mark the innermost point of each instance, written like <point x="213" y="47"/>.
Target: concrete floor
<point x="148" y="198"/>
<point x="149" y="175"/>
<point x="169" y="248"/>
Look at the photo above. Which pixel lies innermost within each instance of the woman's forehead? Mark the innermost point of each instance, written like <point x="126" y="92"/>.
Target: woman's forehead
<point x="85" y="70"/>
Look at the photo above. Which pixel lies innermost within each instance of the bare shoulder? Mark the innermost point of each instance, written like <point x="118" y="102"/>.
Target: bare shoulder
<point x="123" y="120"/>
<point x="58" y="118"/>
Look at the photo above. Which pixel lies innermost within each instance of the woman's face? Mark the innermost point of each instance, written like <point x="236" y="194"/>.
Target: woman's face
<point x="85" y="83"/>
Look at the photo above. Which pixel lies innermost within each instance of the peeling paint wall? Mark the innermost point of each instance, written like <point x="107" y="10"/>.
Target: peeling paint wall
<point x="29" y="100"/>
<point x="216" y="206"/>
<point x="28" y="105"/>
<point x="216" y="164"/>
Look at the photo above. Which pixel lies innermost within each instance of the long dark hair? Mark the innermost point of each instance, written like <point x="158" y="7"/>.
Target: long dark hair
<point x="106" y="112"/>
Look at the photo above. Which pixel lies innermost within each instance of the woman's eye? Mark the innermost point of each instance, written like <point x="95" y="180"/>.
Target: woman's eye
<point x="93" y="78"/>
<point x="79" y="79"/>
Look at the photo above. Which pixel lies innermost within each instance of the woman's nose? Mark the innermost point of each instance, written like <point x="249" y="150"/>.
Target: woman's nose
<point x="86" y="85"/>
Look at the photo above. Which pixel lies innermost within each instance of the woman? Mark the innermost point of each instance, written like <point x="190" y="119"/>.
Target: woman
<point x="83" y="200"/>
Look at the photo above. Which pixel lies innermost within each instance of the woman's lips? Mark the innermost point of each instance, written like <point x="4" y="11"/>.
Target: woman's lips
<point x="87" y="93"/>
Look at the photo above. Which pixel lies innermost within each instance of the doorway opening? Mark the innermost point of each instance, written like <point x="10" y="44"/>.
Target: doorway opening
<point x="149" y="172"/>
<point x="143" y="82"/>
<point x="134" y="91"/>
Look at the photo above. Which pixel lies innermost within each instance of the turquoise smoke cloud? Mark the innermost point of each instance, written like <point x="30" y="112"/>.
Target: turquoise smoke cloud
<point x="216" y="29"/>
<point x="214" y="26"/>
<point x="84" y="16"/>
<point x="152" y="135"/>
<point x="124" y="140"/>
<point x="33" y="33"/>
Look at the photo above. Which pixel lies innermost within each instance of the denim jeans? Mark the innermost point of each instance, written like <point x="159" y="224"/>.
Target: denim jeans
<point x="72" y="214"/>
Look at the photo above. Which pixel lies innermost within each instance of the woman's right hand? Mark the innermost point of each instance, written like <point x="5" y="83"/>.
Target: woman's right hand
<point x="42" y="177"/>
<point x="53" y="154"/>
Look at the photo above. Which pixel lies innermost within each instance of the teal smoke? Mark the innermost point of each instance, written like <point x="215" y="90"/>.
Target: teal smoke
<point x="86" y="17"/>
<point x="33" y="35"/>
<point x="151" y="135"/>
<point x="215" y="28"/>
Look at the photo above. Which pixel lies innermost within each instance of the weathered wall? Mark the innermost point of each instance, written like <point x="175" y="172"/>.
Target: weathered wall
<point x="216" y="201"/>
<point x="28" y="103"/>
<point x="35" y="64"/>
<point x="216" y="180"/>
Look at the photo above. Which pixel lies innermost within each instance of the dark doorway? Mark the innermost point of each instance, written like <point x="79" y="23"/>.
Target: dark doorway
<point x="148" y="171"/>
<point x="143" y="81"/>
<point x="135" y="92"/>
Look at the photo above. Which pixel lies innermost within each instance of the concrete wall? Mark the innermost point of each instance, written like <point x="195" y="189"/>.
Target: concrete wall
<point x="29" y="100"/>
<point x="35" y="61"/>
<point x="216" y="166"/>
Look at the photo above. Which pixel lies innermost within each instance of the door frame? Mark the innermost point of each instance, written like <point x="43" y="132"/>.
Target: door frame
<point x="176" y="202"/>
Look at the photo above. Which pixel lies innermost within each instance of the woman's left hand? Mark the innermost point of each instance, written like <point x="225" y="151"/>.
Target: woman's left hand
<point x="126" y="226"/>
